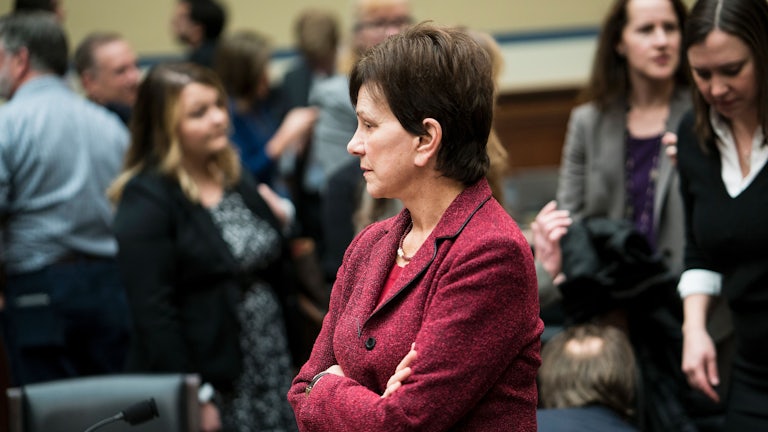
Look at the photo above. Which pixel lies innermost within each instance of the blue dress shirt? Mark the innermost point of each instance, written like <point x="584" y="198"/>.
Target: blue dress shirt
<point x="58" y="154"/>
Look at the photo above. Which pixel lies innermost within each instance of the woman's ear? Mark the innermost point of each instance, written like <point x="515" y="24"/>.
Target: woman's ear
<point x="429" y="142"/>
<point x="18" y="64"/>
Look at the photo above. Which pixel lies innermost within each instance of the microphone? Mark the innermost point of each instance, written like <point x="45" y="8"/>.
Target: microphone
<point x="135" y="414"/>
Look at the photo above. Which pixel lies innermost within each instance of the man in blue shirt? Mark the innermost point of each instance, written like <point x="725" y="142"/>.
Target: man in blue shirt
<point x="65" y="313"/>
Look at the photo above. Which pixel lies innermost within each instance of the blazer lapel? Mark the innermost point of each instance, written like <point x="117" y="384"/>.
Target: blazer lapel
<point x="383" y="254"/>
<point x="664" y="175"/>
<point x="209" y="233"/>
<point x="612" y="160"/>
<point x="450" y="226"/>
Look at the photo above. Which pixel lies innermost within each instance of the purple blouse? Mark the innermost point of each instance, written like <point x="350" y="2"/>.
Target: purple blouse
<point x="642" y="170"/>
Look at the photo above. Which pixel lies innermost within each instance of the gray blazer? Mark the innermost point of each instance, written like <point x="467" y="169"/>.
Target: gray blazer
<point x="591" y="182"/>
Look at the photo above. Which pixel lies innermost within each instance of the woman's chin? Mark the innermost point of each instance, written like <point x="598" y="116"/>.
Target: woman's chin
<point x="374" y="191"/>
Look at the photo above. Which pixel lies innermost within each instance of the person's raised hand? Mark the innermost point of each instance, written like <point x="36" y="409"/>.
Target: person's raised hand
<point x="548" y="228"/>
<point x="669" y="141"/>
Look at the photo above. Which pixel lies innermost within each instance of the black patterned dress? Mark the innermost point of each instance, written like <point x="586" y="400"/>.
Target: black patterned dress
<point x="259" y="401"/>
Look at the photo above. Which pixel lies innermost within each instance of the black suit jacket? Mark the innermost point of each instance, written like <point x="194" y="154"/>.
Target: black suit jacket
<point x="183" y="283"/>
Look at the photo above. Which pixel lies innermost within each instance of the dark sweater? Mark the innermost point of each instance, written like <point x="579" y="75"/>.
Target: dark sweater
<point x="729" y="236"/>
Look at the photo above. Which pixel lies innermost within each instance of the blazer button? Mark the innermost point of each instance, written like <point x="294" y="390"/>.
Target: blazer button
<point x="370" y="343"/>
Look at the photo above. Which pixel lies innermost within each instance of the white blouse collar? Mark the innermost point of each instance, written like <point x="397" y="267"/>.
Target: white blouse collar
<point x="729" y="156"/>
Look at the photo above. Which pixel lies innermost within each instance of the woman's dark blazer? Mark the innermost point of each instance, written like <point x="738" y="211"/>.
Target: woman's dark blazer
<point x="183" y="283"/>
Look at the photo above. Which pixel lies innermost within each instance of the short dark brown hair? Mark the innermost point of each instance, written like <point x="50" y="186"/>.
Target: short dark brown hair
<point x="209" y="14"/>
<point x="441" y="73"/>
<point x="34" y="5"/>
<point x="588" y="364"/>
<point x="746" y="20"/>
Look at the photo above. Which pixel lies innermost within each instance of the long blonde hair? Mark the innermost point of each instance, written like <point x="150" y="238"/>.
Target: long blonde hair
<point x="154" y="137"/>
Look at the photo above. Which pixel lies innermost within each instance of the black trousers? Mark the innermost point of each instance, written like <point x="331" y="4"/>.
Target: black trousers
<point x="68" y="319"/>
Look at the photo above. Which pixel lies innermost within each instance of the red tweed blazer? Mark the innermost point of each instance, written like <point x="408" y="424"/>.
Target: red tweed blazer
<point x="468" y="299"/>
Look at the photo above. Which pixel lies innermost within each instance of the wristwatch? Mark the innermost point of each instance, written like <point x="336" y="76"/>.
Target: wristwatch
<point x="314" y="381"/>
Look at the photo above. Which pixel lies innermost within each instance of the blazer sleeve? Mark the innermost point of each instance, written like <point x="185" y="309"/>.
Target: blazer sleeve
<point x="144" y="230"/>
<point x="690" y="159"/>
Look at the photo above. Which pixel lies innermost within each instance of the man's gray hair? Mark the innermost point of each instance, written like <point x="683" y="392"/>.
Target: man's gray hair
<point x="41" y="35"/>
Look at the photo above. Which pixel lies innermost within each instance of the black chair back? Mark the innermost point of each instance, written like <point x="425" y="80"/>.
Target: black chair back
<point x="74" y="405"/>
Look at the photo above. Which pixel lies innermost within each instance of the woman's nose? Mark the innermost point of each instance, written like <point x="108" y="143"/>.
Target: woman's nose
<point x="355" y="145"/>
<point x="220" y="115"/>
<point x="718" y="87"/>
<point x="660" y="37"/>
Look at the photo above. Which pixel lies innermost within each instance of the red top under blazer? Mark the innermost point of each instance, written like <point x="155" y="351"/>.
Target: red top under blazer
<point x="468" y="299"/>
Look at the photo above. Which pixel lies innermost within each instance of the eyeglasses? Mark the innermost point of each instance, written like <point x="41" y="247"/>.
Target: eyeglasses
<point x="383" y="24"/>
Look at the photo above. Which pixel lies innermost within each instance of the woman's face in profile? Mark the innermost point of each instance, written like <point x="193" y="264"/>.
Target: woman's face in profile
<point x="724" y="72"/>
<point x="650" y="41"/>
<point x="386" y="150"/>
<point x="203" y="122"/>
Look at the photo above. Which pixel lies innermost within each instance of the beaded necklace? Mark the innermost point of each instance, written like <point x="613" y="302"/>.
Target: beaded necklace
<point x="400" y="251"/>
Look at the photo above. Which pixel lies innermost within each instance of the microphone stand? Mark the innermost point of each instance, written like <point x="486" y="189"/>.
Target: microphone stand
<point x="114" y="418"/>
<point x="135" y="414"/>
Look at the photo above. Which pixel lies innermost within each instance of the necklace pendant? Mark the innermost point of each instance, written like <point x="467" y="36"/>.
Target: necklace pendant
<point x="400" y="252"/>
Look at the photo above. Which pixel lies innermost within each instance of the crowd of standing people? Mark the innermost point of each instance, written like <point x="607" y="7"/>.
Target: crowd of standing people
<point x="332" y="252"/>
